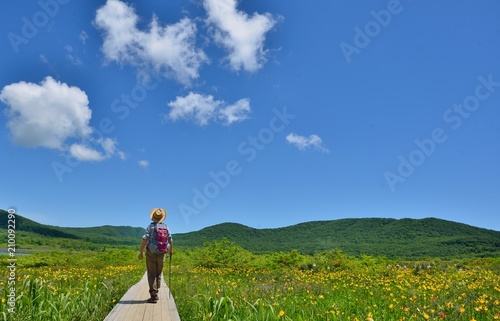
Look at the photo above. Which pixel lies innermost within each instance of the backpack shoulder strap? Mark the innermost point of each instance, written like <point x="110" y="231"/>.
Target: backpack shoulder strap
<point x="152" y="232"/>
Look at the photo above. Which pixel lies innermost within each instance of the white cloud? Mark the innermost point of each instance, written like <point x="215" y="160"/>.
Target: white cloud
<point x="204" y="108"/>
<point x="198" y="107"/>
<point x="47" y="114"/>
<point x="242" y="36"/>
<point x="236" y="112"/>
<point x="168" y="50"/>
<point x="85" y="153"/>
<point x="303" y="143"/>
<point x="51" y="113"/>
<point x="143" y="163"/>
<point x="109" y="145"/>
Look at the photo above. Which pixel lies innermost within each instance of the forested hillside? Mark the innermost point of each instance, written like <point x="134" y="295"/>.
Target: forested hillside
<point x="30" y="234"/>
<point x="408" y="238"/>
<point x="403" y="238"/>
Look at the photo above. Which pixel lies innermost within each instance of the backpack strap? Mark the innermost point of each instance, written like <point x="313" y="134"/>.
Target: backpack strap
<point x="152" y="232"/>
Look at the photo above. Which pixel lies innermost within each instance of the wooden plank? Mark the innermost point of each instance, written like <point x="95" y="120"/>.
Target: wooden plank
<point x="140" y="296"/>
<point x="171" y="312"/>
<point x="167" y="302"/>
<point x="133" y="306"/>
<point x="126" y="305"/>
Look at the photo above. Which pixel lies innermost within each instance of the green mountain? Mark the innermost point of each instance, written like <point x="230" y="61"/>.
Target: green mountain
<point x="32" y="234"/>
<point x="403" y="238"/>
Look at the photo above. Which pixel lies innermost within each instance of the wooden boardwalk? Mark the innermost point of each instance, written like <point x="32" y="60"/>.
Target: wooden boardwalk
<point x="134" y="306"/>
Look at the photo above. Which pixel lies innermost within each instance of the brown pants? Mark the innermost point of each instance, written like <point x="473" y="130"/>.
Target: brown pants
<point x="154" y="265"/>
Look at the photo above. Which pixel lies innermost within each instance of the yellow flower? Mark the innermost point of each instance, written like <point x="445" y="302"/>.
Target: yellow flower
<point x="281" y="313"/>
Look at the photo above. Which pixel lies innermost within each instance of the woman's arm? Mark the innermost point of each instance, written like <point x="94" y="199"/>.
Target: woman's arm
<point x="143" y="244"/>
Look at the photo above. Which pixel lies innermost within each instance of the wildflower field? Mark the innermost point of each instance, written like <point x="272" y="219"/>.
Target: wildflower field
<point x="224" y="282"/>
<point x="66" y="285"/>
<point x="221" y="281"/>
<point x="394" y="294"/>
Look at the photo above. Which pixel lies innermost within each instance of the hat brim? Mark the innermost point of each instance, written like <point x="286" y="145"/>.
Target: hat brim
<point x="164" y="214"/>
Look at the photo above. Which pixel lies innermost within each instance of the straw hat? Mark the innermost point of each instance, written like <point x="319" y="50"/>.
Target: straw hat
<point x="158" y="215"/>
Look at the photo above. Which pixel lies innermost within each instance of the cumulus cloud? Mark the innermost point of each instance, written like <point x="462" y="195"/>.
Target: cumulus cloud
<point x="303" y="143"/>
<point x="51" y="113"/>
<point x="197" y="107"/>
<point x="46" y="114"/>
<point x="241" y="35"/>
<point x="204" y="108"/>
<point x="168" y="50"/>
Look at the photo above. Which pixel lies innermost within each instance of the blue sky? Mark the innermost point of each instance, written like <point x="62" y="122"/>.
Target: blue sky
<point x="264" y="113"/>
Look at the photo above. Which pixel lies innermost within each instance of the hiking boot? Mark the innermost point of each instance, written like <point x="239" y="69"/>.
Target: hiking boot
<point x="153" y="300"/>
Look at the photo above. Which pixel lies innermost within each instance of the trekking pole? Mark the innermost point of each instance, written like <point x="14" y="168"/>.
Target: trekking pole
<point x="170" y="277"/>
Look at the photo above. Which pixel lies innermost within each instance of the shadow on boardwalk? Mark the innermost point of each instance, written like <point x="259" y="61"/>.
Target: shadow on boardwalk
<point x="133" y="306"/>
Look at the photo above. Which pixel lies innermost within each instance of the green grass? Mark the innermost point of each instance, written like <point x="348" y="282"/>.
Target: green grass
<point x="332" y="286"/>
<point x="67" y="285"/>
<point x="223" y="282"/>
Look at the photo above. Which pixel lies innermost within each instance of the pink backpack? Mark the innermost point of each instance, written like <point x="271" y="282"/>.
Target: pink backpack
<point x="158" y="239"/>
